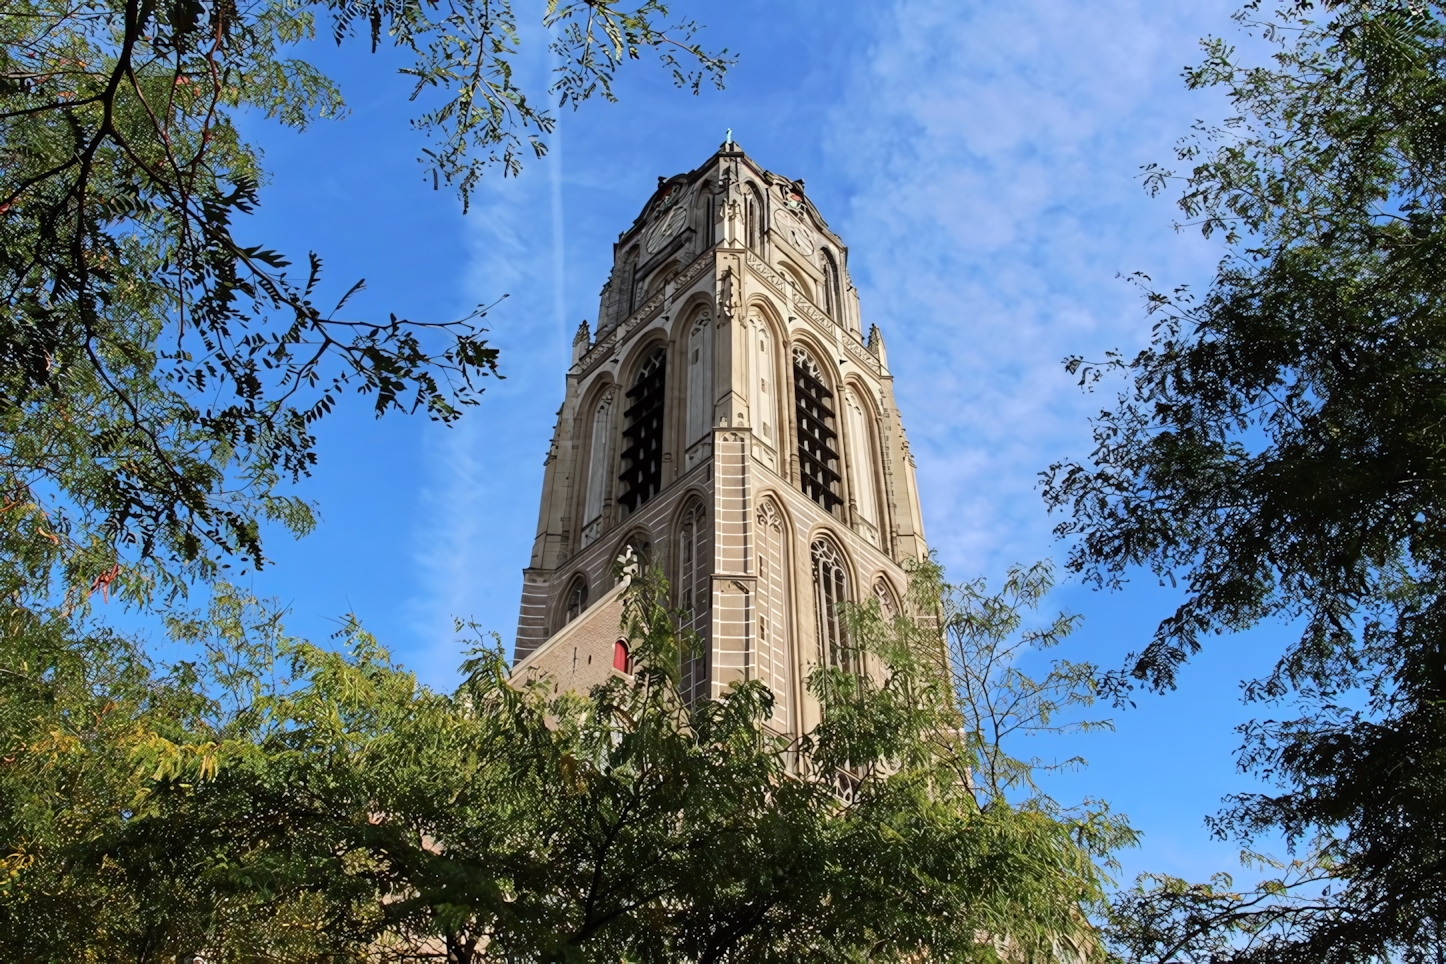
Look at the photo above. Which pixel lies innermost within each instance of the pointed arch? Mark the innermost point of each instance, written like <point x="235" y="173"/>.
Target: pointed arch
<point x="832" y="292"/>
<point x="599" y="466"/>
<point x="888" y="600"/>
<point x="575" y="599"/>
<point x="798" y="280"/>
<point x="772" y="608"/>
<point x="703" y="204"/>
<point x="640" y="540"/>
<point x="861" y="460"/>
<point x="764" y="397"/>
<point x="818" y="456"/>
<point x="753" y="217"/>
<point x="642" y="455"/>
<point x="695" y="595"/>
<point x="628" y="295"/>
<point x="830" y="591"/>
<point x="699" y="363"/>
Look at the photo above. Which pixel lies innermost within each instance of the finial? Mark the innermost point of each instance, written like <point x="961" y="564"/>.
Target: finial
<point x="728" y="138"/>
<point x="661" y="179"/>
<point x="583" y="333"/>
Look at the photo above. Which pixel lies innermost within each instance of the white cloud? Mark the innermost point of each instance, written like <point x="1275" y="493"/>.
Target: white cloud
<point x="991" y="152"/>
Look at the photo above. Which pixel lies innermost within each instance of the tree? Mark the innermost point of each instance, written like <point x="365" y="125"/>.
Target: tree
<point x="161" y="377"/>
<point x="281" y="801"/>
<point x="1278" y="452"/>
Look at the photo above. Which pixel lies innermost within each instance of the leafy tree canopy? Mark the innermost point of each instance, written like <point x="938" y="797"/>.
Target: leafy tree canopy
<point x="160" y="376"/>
<point x="1278" y="452"/>
<point x="273" y="800"/>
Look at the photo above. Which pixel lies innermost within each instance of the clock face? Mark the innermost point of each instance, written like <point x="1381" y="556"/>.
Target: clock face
<point x="793" y="232"/>
<point x="666" y="227"/>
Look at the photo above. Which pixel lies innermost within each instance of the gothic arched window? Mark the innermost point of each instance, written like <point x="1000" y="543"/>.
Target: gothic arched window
<point x="695" y="595"/>
<point x="700" y="378"/>
<point x="832" y="293"/>
<point x="859" y="438"/>
<point x="830" y="588"/>
<point x="753" y="218"/>
<point x="576" y="599"/>
<point x="599" y="468"/>
<point x="888" y="602"/>
<point x="773" y="662"/>
<point x="642" y="455"/>
<point x="703" y="216"/>
<point x="629" y="292"/>
<point x="817" y="437"/>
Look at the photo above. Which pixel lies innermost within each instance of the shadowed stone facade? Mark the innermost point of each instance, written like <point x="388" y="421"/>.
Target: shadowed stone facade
<point x="729" y="421"/>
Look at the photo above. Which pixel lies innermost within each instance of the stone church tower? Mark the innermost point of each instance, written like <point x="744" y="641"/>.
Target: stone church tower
<point x="729" y="421"/>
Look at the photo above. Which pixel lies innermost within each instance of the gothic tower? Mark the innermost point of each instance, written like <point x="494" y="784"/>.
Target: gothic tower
<point x="728" y="421"/>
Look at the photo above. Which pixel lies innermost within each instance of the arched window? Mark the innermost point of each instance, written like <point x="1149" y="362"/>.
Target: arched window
<point x="888" y="602"/>
<point x="629" y="291"/>
<point x="642" y="455"/>
<point x="830" y="588"/>
<point x="599" y="468"/>
<point x="576" y="599"/>
<point x="832" y="293"/>
<point x="700" y="378"/>
<point x="817" y="437"/>
<point x="641" y="545"/>
<point x="695" y="597"/>
<point x="703" y="216"/>
<point x="763" y="395"/>
<point x="753" y="218"/>
<point x="773" y="661"/>
<point x="859" y="438"/>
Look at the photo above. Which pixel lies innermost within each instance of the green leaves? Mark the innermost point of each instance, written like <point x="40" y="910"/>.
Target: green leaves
<point x="1276" y="452"/>
<point x="161" y="377"/>
<point x="272" y="799"/>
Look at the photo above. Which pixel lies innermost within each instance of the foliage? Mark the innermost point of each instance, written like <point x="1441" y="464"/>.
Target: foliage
<point x="161" y="377"/>
<point x="1278" y="452"/>
<point x="985" y="646"/>
<point x="274" y="800"/>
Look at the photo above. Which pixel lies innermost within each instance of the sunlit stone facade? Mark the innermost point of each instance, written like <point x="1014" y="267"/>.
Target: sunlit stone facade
<point x="729" y="420"/>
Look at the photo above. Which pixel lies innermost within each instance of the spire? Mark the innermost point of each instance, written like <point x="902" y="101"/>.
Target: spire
<point x="876" y="345"/>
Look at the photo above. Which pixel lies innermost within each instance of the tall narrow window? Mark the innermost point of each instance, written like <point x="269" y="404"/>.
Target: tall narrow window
<point x="763" y="394"/>
<point x="817" y="437"/>
<point x="773" y="601"/>
<point x="832" y="295"/>
<point x="695" y="596"/>
<point x="700" y="378"/>
<point x="753" y="219"/>
<point x="599" y="468"/>
<point x="630" y="284"/>
<point x="642" y="455"/>
<point x="576" y="599"/>
<point x="830" y="587"/>
<point x="861" y="466"/>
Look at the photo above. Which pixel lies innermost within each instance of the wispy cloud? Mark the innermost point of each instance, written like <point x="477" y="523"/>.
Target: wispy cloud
<point x="992" y="153"/>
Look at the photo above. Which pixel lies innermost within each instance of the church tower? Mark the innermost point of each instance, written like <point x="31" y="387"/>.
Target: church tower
<point x="730" y="422"/>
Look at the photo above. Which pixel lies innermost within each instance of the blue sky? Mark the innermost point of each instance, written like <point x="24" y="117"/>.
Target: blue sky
<point x="981" y="161"/>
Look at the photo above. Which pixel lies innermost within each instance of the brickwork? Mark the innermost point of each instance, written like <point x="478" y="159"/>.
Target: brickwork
<point x="728" y="290"/>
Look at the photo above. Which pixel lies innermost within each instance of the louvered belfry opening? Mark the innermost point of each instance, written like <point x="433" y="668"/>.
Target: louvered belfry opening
<point x="642" y="455"/>
<point x="817" y="440"/>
